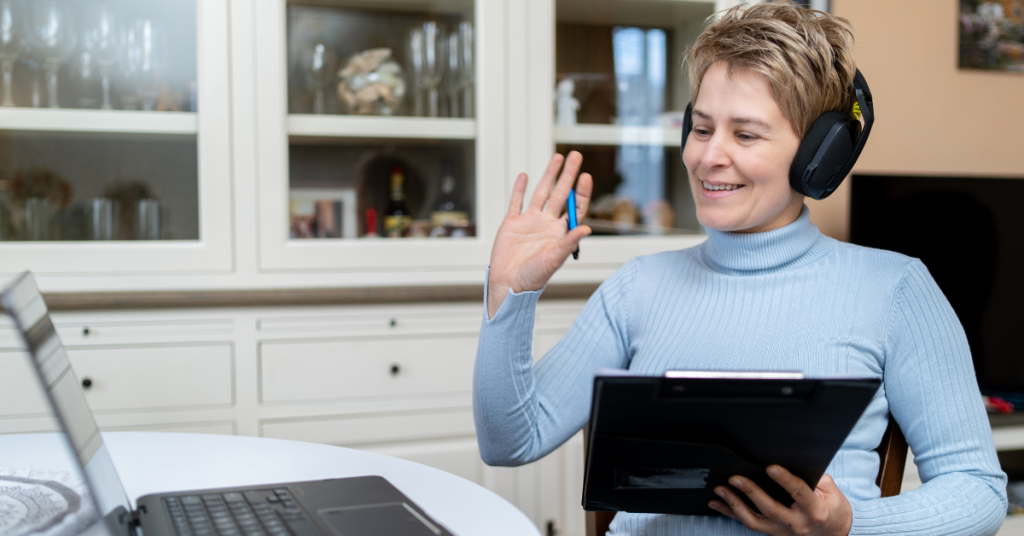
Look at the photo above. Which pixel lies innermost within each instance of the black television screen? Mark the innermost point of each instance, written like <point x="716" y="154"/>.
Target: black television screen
<point x="969" y="232"/>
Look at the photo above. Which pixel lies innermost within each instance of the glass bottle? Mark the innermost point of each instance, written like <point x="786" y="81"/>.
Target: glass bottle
<point x="397" y="217"/>
<point x="448" y="208"/>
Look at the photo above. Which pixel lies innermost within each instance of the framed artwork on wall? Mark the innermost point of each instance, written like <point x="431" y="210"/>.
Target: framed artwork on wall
<point x="992" y="35"/>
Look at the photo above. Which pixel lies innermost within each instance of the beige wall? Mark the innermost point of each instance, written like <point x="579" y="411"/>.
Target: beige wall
<point x="933" y="118"/>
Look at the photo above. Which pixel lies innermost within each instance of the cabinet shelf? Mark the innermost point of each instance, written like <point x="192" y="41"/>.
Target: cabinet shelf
<point x="617" y="135"/>
<point x="99" y="121"/>
<point x="351" y="126"/>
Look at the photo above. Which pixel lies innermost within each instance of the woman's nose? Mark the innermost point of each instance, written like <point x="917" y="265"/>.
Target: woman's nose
<point x="715" y="153"/>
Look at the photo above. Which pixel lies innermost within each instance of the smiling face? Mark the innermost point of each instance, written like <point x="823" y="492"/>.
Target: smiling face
<point x="738" y="154"/>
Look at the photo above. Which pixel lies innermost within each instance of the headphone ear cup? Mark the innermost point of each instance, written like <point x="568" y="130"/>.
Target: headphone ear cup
<point x="809" y="148"/>
<point x="687" y="126"/>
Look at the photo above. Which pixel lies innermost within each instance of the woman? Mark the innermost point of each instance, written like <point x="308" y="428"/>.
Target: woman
<point x="766" y="291"/>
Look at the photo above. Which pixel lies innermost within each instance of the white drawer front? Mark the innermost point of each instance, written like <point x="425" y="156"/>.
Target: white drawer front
<point x="20" y="391"/>
<point x="79" y="332"/>
<point x="356" y="430"/>
<point x="460" y="457"/>
<point x="323" y="370"/>
<point x="219" y="428"/>
<point x="452" y="319"/>
<point x="152" y="377"/>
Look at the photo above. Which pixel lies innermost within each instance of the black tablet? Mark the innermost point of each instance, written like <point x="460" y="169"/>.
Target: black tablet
<point x="661" y="445"/>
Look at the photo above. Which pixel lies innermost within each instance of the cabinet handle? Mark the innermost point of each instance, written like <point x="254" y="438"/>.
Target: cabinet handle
<point x="395" y="369"/>
<point x="392" y="322"/>
<point x="86" y="382"/>
<point x="85" y="331"/>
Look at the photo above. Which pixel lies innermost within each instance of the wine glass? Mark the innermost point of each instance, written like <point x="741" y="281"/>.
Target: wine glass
<point x="467" y="67"/>
<point x="416" y="53"/>
<point x="84" y="78"/>
<point x="12" y="43"/>
<point x="452" y="82"/>
<point x="320" y="64"/>
<point x="101" y="38"/>
<point x="148" y="58"/>
<point x="433" y="63"/>
<point x="53" y="40"/>
<point x="127" y="63"/>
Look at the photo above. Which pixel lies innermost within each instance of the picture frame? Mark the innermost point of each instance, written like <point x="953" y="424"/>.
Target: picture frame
<point x="322" y="213"/>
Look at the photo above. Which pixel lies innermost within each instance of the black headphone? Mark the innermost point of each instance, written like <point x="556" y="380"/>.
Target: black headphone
<point x="828" y="151"/>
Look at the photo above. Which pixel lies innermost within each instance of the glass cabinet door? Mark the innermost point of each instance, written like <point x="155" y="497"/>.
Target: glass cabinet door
<point x="100" y="161"/>
<point x="381" y="148"/>
<point x="619" y="100"/>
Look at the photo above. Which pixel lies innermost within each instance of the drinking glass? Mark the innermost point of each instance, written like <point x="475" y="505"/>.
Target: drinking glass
<point x="38" y="218"/>
<point x="416" y="53"/>
<point x="320" y="64"/>
<point x="149" y="219"/>
<point x="101" y="38"/>
<point x="102" y="219"/>
<point x="12" y="43"/>
<point x="127" y="63"/>
<point x="53" y="40"/>
<point x="85" y="79"/>
<point x="433" y="64"/>
<point x="467" y="67"/>
<point x="149" y="57"/>
<point x="452" y="79"/>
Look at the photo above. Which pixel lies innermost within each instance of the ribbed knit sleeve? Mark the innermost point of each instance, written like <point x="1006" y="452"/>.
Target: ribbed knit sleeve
<point x="930" y="383"/>
<point x="522" y="411"/>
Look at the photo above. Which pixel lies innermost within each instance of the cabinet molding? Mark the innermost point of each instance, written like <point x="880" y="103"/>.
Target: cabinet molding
<point x="105" y="301"/>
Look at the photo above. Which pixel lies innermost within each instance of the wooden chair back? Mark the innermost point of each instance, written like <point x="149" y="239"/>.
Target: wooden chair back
<point x="892" y="453"/>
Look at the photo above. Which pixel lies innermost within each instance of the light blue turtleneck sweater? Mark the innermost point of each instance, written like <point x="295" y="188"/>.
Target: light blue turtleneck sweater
<point x="788" y="299"/>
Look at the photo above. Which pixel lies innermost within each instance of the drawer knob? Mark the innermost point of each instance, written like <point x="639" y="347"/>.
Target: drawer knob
<point x="392" y="322"/>
<point x="86" y="382"/>
<point x="395" y="369"/>
<point x="85" y="331"/>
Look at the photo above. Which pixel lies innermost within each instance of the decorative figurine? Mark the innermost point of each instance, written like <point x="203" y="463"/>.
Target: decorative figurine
<point x="371" y="83"/>
<point x="565" y="104"/>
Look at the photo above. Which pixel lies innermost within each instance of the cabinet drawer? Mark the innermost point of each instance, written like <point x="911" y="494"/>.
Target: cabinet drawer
<point x="20" y="391"/>
<point x="452" y="319"/>
<point x="150" y="377"/>
<point x="80" y="332"/>
<point x="460" y="457"/>
<point x="321" y="370"/>
<point x="357" y="430"/>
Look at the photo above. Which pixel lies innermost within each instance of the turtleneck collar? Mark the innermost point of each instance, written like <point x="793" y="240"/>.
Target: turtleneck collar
<point x="757" y="253"/>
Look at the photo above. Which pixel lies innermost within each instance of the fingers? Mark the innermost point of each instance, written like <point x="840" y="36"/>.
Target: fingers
<point x="723" y="509"/>
<point x="565" y="183"/>
<point x="796" y="487"/>
<point x="584" y="191"/>
<point x="572" y="239"/>
<point x="540" y="195"/>
<point x="515" y="207"/>
<point x="768" y="506"/>
<point x="742" y="513"/>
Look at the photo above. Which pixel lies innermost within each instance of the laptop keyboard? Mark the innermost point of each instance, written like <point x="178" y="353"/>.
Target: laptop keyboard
<point x="271" y="512"/>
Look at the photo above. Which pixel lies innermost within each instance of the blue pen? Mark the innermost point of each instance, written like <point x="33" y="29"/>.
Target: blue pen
<point x="572" y="219"/>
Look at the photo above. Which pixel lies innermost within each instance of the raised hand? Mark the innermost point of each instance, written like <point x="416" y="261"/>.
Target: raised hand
<point x="532" y="245"/>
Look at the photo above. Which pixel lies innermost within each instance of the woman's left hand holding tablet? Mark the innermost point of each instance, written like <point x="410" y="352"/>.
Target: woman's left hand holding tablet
<point x="823" y="510"/>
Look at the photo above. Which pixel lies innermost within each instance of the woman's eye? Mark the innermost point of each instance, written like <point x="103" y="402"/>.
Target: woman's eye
<point x="746" y="137"/>
<point x="701" y="131"/>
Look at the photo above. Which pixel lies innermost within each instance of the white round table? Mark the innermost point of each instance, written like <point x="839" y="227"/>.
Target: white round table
<point x="161" y="462"/>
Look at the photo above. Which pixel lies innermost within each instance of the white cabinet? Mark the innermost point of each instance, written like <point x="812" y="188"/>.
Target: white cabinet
<point x="124" y="190"/>
<point x="393" y="379"/>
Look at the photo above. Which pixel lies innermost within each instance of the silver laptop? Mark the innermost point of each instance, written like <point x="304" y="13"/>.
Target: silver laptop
<point x="367" y="505"/>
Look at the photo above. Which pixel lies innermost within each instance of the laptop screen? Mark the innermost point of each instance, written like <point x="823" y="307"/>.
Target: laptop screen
<point x="58" y="436"/>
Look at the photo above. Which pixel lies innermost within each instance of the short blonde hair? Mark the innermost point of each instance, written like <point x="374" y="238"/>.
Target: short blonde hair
<point x="805" y="55"/>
